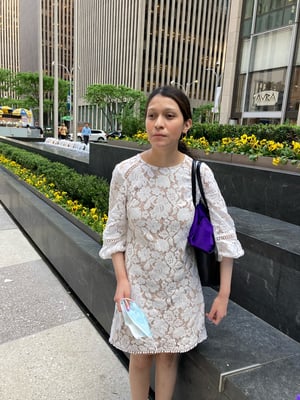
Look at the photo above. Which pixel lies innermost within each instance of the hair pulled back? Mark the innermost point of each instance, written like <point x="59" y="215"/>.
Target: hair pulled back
<point x="183" y="103"/>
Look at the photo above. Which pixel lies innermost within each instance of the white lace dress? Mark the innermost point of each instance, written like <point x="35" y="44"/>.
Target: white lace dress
<point x="150" y="213"/>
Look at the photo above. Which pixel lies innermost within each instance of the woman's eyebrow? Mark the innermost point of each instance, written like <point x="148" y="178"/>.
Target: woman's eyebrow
<point x="165" y="109"/>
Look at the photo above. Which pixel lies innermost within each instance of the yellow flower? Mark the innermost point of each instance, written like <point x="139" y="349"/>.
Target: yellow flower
<point x="296" y="146"/>
<point x="203" y="141"/>
<point x="244" y="138"/>
<point x="276" y="161"/>
<point x="104" y="218"/>
<point x="226" y="141"/>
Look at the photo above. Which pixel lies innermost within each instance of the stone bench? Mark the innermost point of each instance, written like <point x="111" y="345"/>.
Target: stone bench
<point x="243" y="358"/>
<point x="78" y="146"/>
<point x="266" y="281"/>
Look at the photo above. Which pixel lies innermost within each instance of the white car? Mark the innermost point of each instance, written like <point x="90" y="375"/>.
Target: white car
<point x="98" y="135"/>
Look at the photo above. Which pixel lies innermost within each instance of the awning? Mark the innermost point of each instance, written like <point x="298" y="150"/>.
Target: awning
<point x="22" y="111"/>
<point x="67" y="118"/>
<point x="6" y="109"/>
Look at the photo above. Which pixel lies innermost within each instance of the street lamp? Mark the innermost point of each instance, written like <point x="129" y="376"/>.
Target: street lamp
<point x="217" y="90"/>
<point x="69" y="72"/>
<point x="187" y="85"/>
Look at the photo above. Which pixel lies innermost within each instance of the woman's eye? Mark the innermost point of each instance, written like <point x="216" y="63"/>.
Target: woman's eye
<point x="150" y="116"/>
<point x="170" y="116"/>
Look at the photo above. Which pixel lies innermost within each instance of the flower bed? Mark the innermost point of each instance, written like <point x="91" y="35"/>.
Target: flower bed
<point x="281" y="153"/>
<point x="93" y="217"/>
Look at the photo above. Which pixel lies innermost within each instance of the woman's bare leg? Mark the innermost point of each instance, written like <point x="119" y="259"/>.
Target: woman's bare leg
<point x="139" y="375"/>
<point x="165" y="375"/>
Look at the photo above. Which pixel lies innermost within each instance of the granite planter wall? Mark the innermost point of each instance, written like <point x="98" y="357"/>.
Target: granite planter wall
<point x="245" y="184"/>
<point x="69" y="247"/>
<point x="252" y="185"/>
<point x="266" y="279"/>
<point x="233" y="364"/>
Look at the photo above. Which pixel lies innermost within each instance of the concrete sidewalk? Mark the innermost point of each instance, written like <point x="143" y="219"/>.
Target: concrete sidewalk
<point x="49" y="350"/>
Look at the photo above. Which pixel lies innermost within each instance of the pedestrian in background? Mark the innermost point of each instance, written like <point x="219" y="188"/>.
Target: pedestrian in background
<point x="150" y="213"/>
<point x="86" y="133"/>
<point x="63" y="130"/>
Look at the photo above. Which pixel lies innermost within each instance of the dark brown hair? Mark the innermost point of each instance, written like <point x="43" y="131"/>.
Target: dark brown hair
<point x="183" y="103"/>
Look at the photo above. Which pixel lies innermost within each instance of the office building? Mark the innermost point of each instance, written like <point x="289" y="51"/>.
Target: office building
<point x="9" y="34"/>
<point x="262" y="66"/>
<point x="145" y="44"/>
<point x="246" y="50"/>
<point x="138" y="43"/>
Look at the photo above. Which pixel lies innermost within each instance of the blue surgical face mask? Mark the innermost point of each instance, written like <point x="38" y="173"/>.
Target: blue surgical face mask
<point x="135" y="319"/>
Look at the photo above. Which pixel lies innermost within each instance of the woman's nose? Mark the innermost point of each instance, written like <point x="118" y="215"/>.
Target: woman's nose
<point x="159" y="121"/>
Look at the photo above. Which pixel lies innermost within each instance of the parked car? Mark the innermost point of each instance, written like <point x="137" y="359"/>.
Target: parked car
<point x="115" y="134"/>
<point x="98" y="135"/>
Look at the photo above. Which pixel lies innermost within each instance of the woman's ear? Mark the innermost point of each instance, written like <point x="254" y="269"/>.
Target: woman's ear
<point x="187" y="125"/>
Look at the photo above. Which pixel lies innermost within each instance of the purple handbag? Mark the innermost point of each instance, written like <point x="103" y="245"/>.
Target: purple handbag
<point x="201" y="235"/>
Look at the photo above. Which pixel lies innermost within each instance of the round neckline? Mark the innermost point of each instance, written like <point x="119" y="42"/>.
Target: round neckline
<point x="157" y="167"/>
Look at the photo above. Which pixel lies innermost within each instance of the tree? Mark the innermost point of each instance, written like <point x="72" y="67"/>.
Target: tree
<point x="26" y="87"/>
<point x="5" y="87"/>
<point x="116" y="102"/>
<point x="21" y="90"/>
<point x="203" y="113"/>
<point x="5" y="80"/>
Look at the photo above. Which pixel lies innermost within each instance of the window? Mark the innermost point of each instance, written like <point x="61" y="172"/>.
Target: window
<point x="271" y="50"/>
<point x="238" y="95"/>
<point x="265" y="90"/>
<point x="294" y="96"/>
<point x="273" y="14"/>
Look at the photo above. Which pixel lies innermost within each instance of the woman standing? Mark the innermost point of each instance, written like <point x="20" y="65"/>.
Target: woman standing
<point x="150" y="214"/>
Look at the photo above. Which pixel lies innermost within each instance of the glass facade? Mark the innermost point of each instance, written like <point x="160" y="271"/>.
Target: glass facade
<point x="268" y="74"/>
<point x="292" y="112"/>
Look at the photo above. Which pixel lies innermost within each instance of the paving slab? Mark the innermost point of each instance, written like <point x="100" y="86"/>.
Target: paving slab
<point x="5" y="221"/>
<point x="15" y="248"/>
<point x="32" y="299"/>
<point x="49" y="349"/>
<point x="67" y="362"/>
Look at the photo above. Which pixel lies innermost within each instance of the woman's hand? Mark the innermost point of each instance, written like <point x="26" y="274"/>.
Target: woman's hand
<point x="218" y="309"/>
<point x="122" y="291"/>
<point x="123" y="285"/>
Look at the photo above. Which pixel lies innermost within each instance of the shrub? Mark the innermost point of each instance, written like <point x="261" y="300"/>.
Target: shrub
<point x="89" y="191"/>
<point x="278" y="133"/>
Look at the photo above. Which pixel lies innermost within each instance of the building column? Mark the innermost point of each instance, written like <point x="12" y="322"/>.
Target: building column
<point x="230" y="60"/>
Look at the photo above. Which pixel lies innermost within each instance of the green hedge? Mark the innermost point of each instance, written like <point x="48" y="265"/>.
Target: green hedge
<point x="278" y="133"/>
<point x="89" y="190"/>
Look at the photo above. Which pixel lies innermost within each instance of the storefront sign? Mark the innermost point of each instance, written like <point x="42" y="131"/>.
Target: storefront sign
<point x="266" y="98"/>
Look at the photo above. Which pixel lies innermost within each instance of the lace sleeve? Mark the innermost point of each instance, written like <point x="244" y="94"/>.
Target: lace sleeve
<point x="224" y="229"/>
<point x="114" y="235"/>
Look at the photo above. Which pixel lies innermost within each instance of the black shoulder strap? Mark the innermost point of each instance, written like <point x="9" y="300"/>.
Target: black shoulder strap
<point x="193" y="174"/>
<point x="196" y="171"/>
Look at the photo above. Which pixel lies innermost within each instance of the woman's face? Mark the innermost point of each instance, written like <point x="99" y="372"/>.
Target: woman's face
<point x="164" y="122"/>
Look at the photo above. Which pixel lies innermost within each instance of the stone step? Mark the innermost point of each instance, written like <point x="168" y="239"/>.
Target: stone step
<point x="266" y="280"/>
